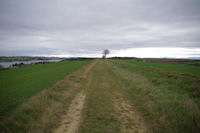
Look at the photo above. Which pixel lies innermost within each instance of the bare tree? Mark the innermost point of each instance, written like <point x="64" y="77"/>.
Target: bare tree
<point x="105" y="52"/>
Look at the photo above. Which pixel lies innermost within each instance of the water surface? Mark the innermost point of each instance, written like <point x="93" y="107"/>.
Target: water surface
<point x="9" y="64"/>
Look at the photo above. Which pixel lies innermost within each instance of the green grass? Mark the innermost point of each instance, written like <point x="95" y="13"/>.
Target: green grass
<point x="178" y="68"/>
<point x="169" y="102"/>
<point x="166" y="96"/>
<point x="193" y="62"/>
<point x="19" y="84"/>
<point x="99" y="114"/>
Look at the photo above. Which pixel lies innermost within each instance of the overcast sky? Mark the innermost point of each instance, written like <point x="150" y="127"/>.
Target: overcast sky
<point x="141" y="28"/>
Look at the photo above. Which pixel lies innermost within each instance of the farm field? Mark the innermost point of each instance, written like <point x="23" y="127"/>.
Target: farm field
<point x="109" y="96"/>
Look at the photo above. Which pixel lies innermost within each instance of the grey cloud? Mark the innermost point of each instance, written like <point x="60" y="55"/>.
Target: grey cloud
<point x="76" y="27"/>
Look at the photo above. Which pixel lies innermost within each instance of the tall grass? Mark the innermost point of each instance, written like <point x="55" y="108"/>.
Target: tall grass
<point x="169" y="102"/>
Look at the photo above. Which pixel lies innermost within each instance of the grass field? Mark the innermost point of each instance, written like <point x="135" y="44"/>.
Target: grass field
<point x="19" y="84"/>
<point x="168" y="100"/>
<point x="120" y="96"/>
<point x="176" y="68"/>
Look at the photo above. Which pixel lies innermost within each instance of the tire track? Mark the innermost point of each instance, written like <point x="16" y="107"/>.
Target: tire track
<point x="130" y="120"/>
<point x="71" y="121"/>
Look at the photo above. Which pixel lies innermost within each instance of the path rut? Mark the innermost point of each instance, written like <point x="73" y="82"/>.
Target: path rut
<point x="130" y="120"/>
<point x="71" y="121"/>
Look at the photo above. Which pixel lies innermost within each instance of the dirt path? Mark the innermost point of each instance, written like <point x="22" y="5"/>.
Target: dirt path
<point x="130" y="120"/>
<point x="72" y="120"/>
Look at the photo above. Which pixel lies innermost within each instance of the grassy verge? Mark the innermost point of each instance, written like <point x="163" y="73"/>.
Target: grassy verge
<point x="42" y="112"/>
<point x="18" y="85"/>
<point x="99" y="113"/>
<point x="169" y="102"/>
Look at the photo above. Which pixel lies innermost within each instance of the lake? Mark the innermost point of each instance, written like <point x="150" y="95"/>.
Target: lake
<point x="8" y="64"/>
